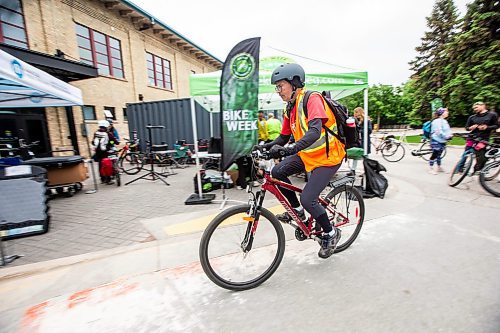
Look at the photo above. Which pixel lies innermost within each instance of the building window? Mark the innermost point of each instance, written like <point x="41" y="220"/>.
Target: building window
<point x="89" y="112"/>
<point x="159" y="73"/>
<point x="100" y="50"/>
<point x="12" y="28"/>
<point x="109" y="112"/>
<point x="125" y="114"/>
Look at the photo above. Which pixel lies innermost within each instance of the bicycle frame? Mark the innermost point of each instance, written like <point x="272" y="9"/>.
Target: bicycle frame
<point x="272" y="185"/>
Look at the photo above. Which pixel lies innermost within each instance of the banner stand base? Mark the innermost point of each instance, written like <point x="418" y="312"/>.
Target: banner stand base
<point x="194" y="199"/>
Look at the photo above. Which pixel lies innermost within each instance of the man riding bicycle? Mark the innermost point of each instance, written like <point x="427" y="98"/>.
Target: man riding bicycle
<point x="309" y="152"/>
<point x="480" y="125"/>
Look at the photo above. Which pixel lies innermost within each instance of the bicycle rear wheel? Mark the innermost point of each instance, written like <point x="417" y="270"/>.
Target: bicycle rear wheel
<point x="132" y="163"/>
<point x="346" y="210"/>
<point x="392" y="151"/>
<point x="489" y="178"/>
<point x="461" y="169"/>
<point x="426" y="148"/>
<point x="236" y="258"/>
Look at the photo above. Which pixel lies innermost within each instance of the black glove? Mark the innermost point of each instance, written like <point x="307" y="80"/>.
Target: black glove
<point x="258" y="148"/>
<point x="278" y="151"/>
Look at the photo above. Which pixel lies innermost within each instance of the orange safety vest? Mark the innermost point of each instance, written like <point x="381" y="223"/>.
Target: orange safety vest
<point x="315" y="155"/>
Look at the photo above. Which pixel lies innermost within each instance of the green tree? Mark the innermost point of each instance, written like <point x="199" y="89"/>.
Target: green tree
<point x="428" y="66"/>
<point x="473" y="61"/>
<point x="387" y="105"/>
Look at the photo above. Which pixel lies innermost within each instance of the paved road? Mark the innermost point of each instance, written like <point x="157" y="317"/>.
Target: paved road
<point x="427" y="260"/>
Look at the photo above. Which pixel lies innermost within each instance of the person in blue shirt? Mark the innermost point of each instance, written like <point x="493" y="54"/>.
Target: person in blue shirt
<point x="440" y="134"/>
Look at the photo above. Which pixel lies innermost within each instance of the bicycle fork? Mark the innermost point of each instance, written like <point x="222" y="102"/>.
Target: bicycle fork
<point x="253" y="221"/>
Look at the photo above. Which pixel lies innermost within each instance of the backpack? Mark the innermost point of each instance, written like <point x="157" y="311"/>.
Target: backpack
<point x="426" y="128"/>
<point x="349" y="136"/>
<point x="101" y="141"/>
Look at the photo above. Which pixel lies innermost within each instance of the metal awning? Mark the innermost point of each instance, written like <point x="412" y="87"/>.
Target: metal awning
<point x="63" y="69"/>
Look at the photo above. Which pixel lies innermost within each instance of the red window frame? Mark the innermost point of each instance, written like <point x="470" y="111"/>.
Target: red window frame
<point x="3" y="38"/>
<point x="159" y="67"/>
<point x="114" y="65"/>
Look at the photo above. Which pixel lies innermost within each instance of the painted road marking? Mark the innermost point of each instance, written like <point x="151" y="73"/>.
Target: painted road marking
<point x="200" y="224"/>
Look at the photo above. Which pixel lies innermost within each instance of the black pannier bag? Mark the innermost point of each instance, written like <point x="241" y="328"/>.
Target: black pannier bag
<point x="376" y="183"/>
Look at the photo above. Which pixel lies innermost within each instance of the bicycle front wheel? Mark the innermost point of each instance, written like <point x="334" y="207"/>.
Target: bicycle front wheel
<point x="238" y="252"/>
<point x="346" y="210"/>
<point x="461" y="169"/>
<point x="490" y="178"/>
<point x="392" y="151"/>
<point x="132" y="163"/>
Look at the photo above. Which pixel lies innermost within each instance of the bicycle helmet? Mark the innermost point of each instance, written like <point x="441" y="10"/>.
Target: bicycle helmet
<point x="103" y="123"/>
<point x="293" y="73"/>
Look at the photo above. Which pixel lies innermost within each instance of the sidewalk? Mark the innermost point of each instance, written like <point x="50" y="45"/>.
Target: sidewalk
<point x="414" y="268"/>
<point x="110" y="218"/>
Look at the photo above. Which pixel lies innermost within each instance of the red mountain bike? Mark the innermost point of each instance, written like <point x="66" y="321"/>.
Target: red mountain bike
<point x="244" y="245"/>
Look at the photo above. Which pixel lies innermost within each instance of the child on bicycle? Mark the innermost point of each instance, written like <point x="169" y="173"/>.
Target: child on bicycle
<point x="440" y="134"/>
<point x="309" y="151"/>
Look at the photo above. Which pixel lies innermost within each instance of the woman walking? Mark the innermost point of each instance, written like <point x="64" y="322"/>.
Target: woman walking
<point x="440" y="134"/>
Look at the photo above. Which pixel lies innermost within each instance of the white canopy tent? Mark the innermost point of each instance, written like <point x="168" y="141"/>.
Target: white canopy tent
<point x="23" y="85"/>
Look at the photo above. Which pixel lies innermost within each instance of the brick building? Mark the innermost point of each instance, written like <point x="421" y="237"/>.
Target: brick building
<point x="137" y="57"/>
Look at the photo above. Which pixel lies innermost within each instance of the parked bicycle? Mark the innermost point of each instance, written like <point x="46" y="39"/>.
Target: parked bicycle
<point x="243" y="246"/>
<point x="425" y="151"/>
<point x="129" y="157"/>
<point x="134" y="162"/>
<point x="392" y="149"/>
<point x="113" y="156"/>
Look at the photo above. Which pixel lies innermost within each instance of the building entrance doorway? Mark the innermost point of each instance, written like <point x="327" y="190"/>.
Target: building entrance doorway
<point x="28" y="124"/>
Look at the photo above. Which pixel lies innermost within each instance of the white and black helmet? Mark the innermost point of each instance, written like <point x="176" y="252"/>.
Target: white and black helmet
<point x="293" y="73"/>
<point x="103" y="123"/>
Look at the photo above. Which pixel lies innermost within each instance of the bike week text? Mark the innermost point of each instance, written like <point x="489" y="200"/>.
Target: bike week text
<point x="238" y="120"/>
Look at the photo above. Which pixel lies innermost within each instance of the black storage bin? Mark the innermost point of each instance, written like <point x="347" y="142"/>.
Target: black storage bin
<point x="23" y="203"/>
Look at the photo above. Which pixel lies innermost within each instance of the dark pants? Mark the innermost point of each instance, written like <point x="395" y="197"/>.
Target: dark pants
<point x="437" y="151"/>
<point x="244" y="171"/>
<point x="480" y="158"/>
<point x="317" y="182"/>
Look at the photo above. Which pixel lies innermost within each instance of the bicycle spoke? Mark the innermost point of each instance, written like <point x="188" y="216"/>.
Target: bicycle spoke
<point x="227" y="258"/>
<point x="490" y="178"/>
<point x="346" y="211"/>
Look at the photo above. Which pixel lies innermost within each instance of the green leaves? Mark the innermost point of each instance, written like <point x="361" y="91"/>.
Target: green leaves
<point x="463" y="63"/>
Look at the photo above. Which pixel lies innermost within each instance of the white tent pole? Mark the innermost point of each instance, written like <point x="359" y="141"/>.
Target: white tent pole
<point x="365" y="123"/>
<point x="211" y="125"/>
<point x="195" y="138"/>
